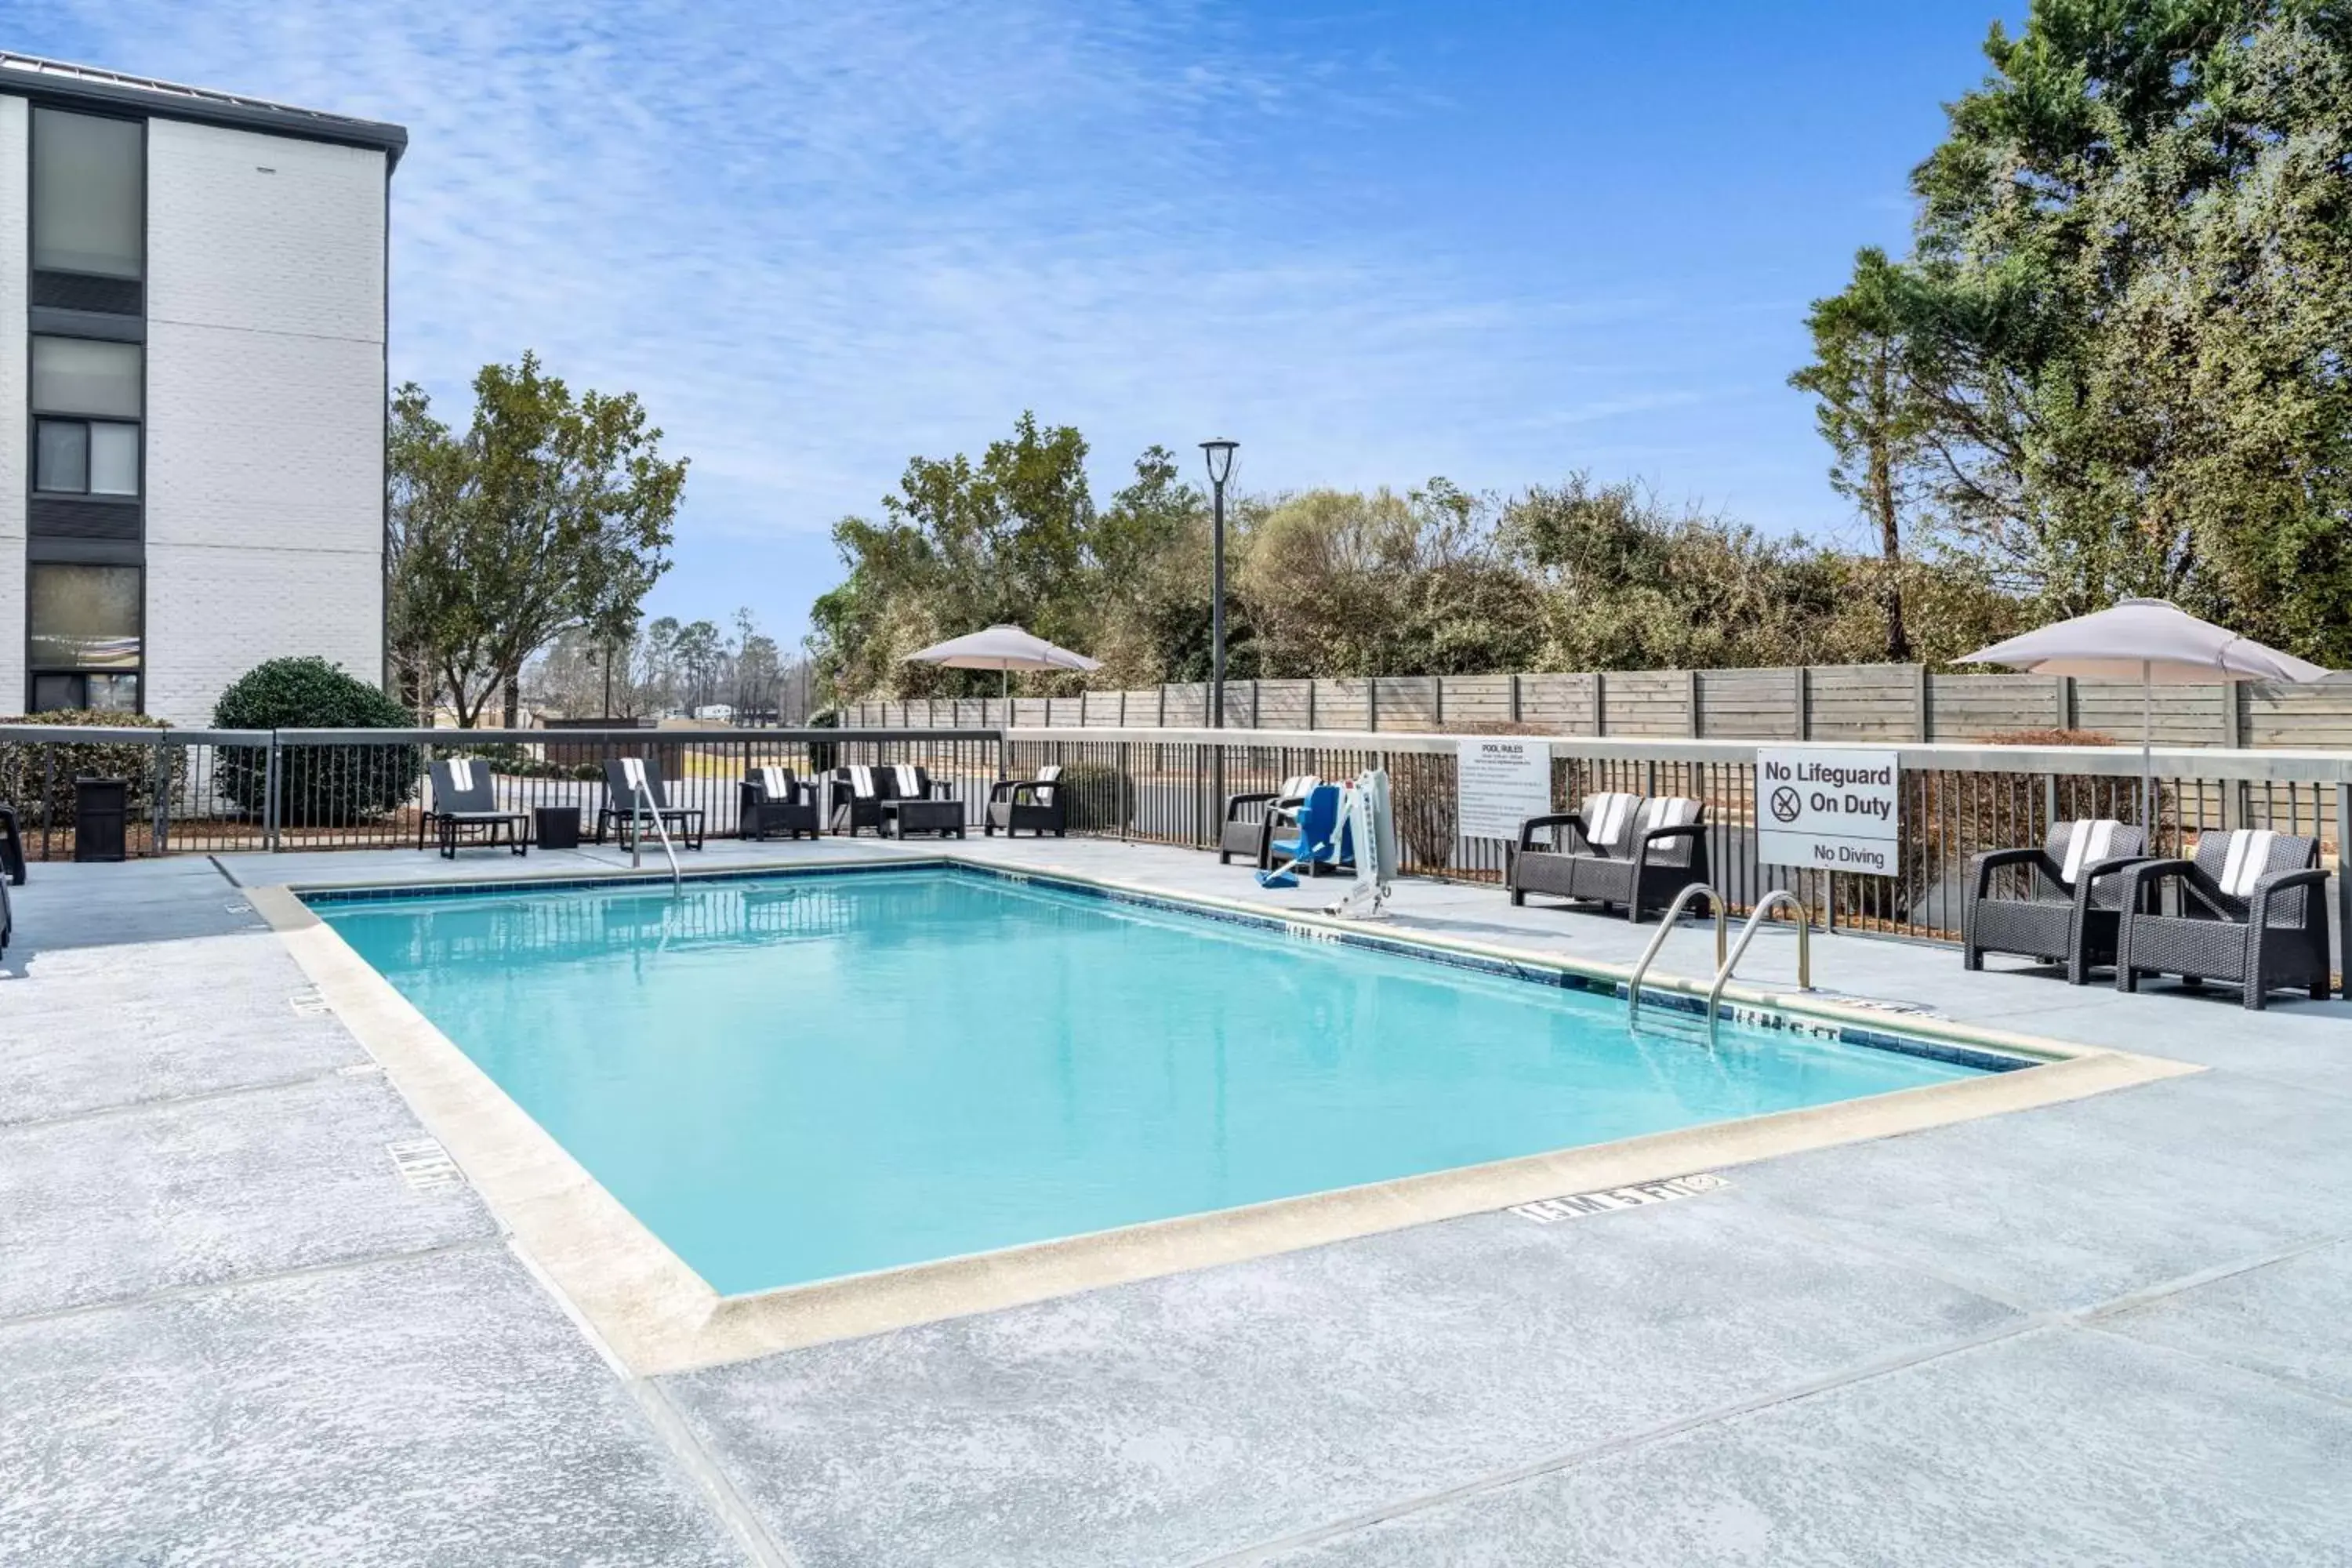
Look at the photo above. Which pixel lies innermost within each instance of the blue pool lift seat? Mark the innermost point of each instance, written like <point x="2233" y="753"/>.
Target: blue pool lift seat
<point x="1314" y="842"/>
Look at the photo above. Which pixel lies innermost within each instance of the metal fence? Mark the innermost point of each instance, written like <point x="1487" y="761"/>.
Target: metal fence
<point x="223" y="791"/>
<point x="212" y="791"/>
<point x="1168" y="786"/>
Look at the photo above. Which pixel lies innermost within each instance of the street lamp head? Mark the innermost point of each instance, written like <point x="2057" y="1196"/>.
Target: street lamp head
<point x="1221" y="460"/>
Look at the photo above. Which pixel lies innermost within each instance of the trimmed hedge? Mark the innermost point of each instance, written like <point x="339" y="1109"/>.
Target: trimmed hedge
<point x="317" y="785"/>
<point x="25" y="768"/>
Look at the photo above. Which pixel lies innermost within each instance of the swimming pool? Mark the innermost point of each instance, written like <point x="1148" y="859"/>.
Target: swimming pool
<point x="803" y="1076"/>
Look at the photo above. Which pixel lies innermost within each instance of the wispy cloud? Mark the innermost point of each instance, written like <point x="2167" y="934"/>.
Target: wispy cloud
<point x="818" y="238"/>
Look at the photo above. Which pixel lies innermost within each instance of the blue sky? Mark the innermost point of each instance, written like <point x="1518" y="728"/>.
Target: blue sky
<point x="1372" y="243"/>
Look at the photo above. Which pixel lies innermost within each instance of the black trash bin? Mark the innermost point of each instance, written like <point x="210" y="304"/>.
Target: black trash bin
<point x="557" y="826"/>
<point x="101" y="819"/>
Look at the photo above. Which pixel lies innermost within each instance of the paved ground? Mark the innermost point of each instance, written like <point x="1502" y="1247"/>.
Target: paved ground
<point x="2108" y="1332"/>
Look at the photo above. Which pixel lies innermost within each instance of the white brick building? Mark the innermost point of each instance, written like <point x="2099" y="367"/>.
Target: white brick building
<point x="191" y="338"/>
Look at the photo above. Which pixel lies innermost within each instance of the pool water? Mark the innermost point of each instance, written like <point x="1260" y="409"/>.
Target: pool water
<point x="800" y="1077"/>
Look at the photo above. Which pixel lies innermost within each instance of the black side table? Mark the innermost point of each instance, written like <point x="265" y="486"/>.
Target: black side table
<point x="556" y="826"/>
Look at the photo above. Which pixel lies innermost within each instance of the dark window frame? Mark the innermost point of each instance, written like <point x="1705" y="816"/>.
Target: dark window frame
<point x="35" y="672"/>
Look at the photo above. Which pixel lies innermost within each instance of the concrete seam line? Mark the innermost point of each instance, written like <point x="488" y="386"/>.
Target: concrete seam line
<point x="268" y="1277"/>
<point x="200" y="1096"/>
<point x="733" y="1511"/>
<point x="2276" y="1380"/>
<point x="1498" y="1480"/>
<point x="2150" y="1295"/>
<point x="668" y="1425"/>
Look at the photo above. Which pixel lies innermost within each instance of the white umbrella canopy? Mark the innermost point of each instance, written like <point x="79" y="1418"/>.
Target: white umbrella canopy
<point x="2153" y="641"/>
<point x="1006" y="649"/>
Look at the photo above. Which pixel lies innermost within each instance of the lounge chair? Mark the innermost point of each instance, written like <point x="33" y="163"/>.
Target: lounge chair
<point x="12" y="870"/>
<point x="635" y="791"/>
<point x="1035" y="804"/>
<point x="2072" y="908"/>
<point x="912" y="802"/>
<point x="2252" y="911"/>
<point x="466" y="802"/>
<point x="1252" y="820"/>
<point x="855" y="797"/>
<point x="772" y="801"/>
<point x="1615" y="848"/>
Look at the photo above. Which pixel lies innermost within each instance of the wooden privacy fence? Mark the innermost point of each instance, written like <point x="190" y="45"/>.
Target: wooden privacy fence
<point x="1862" y="702"/>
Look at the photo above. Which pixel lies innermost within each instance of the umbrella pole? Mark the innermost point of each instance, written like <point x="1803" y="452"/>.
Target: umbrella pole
<point x="2146" y="771"/>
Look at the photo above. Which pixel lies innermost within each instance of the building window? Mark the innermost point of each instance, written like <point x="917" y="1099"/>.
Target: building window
<point x="89" y="195"/>
<point x="82" y="456"/>
<point x="82" y="375"/>
<point x="83" y="635"/>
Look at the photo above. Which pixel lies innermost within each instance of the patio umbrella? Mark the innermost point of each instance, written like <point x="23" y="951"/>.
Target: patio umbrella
<point x="1005" y="649"/>
<point x="2154" y="640"/>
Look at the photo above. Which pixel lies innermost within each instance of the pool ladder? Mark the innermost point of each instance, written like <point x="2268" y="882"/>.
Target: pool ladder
<point x="641" y="807"/>
<point x="1724" y="965"/>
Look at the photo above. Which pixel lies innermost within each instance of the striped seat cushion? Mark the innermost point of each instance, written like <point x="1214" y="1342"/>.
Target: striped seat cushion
<point x="461" y="775"/>
<point x="634" y="775"/>
<point x="2088" y="840"/>
<point x="1046" y="780"/>
<point x="909" y="781"/>
<point x="775" y="783"/>
<point x="1609" y="820"/>
<point x="1296" y="789"/>
<point x="1668" y="811"/>
<point x="861" y="783"/>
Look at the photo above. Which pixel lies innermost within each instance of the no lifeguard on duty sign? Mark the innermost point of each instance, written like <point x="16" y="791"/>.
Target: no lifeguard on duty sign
<point x="1820" y="809"/>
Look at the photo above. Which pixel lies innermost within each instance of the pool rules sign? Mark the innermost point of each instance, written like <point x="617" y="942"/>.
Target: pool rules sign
<point x="1821" y="810"/>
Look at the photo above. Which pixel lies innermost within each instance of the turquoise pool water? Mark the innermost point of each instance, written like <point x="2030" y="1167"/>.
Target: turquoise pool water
<point x="799" y="1078"/>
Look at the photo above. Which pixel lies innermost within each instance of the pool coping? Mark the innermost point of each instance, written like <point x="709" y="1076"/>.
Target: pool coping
<point x="653" y="1314"/>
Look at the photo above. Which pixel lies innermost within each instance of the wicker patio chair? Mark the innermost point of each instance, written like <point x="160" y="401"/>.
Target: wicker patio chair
<point x="853" y="799"/>
<point x="1035" y="804"/>
<point x="772" y="801"/>
<point x="1615" y="848"/>
<point x="2252" y="911"/>
<point x="913" y="802"/>
<point x="2072" y="904"/>
<point x="1252" y="820"/>
<point x="465" y="800"/>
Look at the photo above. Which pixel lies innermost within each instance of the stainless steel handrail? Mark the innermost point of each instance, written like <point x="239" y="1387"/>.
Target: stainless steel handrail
<point x="1674" y="912"/>
<point x="1804" y="949"/>
<point x="640" y="808"/>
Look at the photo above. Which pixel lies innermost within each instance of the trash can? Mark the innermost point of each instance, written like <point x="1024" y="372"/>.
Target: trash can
<point x="101" y="819"/>
<point x="557" y="826"/>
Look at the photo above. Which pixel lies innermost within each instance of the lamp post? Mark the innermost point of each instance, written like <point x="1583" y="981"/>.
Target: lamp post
<point x="1220" y="454"/>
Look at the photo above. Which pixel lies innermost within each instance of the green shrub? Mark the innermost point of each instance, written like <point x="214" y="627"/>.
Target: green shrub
<point x="36" y="775"/>
<point x="317" y="785"/>
<point x="1100" y="797"/>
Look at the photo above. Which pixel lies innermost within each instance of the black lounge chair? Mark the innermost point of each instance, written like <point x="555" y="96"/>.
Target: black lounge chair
<point x="913" y="802"/>
<point x="1252" y="820"/>
<point x="1616" y="849"/>
<point x="2252" y="911"/>
<point x="635" y="792"/>
<point x="466" y="802"/>
<point x="12" y="848"/>
<point x="772" y="801"/>
<point x="1035" y="804"/>
<point x="12" y="870"/>
<point x="853" y="798"/>
<point x="2072" y="908"/>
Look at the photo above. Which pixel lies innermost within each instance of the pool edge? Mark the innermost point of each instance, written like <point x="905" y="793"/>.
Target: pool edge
<point x="653" y="1314"/>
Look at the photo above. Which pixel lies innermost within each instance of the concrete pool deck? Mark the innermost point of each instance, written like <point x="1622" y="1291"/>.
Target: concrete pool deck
<point x="2107" y="1330"/>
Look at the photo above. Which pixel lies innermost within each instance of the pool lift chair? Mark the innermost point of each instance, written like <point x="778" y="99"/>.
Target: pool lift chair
<point x="1314" y="842"/>
<point x="1367" y="828"/>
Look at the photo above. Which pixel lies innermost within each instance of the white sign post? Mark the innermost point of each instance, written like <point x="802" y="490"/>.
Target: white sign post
<point x="1821" y="810"/>
<point x="1500" y="782"/>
